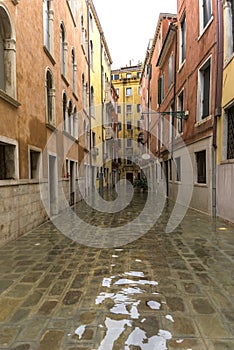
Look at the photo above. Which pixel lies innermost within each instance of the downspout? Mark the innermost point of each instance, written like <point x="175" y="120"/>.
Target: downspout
<point x="172" y="27"/>
<point x="218" y="95"/>
<point x="89" y="116"/>
<point x="102" y="126"/>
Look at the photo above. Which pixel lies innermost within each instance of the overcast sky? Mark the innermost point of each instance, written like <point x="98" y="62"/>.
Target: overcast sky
<point x="128" y="25"/>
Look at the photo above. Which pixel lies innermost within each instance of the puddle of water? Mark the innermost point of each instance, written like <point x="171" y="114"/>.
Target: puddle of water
<point x="102" y="296"/>
<point x="80" y="331"/>
<point x="138" y="338"/>
<point x="154" y="305"/>
<point x="126" y="300"/>
<point x="115" y="256"/>
<point x="179" y="341"/>
<point x="170" y="318"/>
<point x="134" y="274"/>
<point x="127" y="281"/>
<point x="114" y="331"/>
<point x="138" y="260"/>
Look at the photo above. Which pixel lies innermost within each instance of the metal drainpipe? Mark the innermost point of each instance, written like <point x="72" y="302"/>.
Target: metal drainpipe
<point x="218" y="95"/>
<point x="90" y="126"/>
<point x="174" y="88"/>
<point x="102" y="72"/>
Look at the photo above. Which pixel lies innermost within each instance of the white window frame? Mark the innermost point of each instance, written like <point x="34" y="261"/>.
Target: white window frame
<point x="200" y="90"/>
<point x="201" y="17"/>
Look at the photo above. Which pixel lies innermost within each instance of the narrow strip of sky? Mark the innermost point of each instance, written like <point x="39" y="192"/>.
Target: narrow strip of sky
<point x="128" y="26"/>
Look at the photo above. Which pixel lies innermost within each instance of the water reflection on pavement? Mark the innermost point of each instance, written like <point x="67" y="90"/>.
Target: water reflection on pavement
<point x="161" y="291"/>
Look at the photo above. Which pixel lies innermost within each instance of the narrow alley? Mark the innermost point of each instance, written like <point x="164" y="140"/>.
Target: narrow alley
<point x="161" y="291"/>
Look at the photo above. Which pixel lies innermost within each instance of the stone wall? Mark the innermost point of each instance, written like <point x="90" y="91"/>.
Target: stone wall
<point x="21" y="207"/>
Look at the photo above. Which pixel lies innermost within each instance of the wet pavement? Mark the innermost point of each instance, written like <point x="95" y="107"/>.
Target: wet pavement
<point x="161" y="291"/>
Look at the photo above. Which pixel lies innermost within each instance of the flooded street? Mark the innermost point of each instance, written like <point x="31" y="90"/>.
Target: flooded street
<point x="160" y="291"/>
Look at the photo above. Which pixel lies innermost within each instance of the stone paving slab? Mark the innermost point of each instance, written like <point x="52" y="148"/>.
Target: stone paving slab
<point x="162" y="291"/>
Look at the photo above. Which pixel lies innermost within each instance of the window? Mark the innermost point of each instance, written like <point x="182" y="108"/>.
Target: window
<point x="129" y="91"/>
<point x="64" y="112"/>
<point x="138" y="108"/>
<point x="73" y="71"/>
<point x="69" y="115"/>
<point x="170" y="71"/>
<point x="119" y="126"/>
<point x="91" y="54"/>
<point x="117" y="92"/>
<point x="183" y="39"/>
<point x="205" y="13"/>
<point x="92" y="112"/>
<point x="204" y="90"/>
<point x="128" y="75"/>
<point x="229" y="32"/>
<point x="230" y="133"/>
<point x="34" y="164"/>
<point x="128" y="109"/>
<point x="160" y="89"/>
<point x="50" y="98"/>
<point x="7" y="55"/>
<point x="138" y="75"/>
<point x="48" y="17"/>
<point x="129" y="125"/>
<point x="63" y="48"/>
<point x="129" y="142"/>
<point x="7" y="161"/>
<point x="180" y="108"/>
<point x="75" y="123"/>
<point x="178" y="168"/>
<point x="83" y="91"/>
<point x="118" y="109"/>
<point x="115" y="76"/>
<point x="93" y="139"/>
<point x="201" y="166"/>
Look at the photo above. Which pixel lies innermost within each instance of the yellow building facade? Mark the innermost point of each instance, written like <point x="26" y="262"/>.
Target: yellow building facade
<point x="100" y="76"/>
<point x="225" y="124"/>
<point x="126" y="81"/>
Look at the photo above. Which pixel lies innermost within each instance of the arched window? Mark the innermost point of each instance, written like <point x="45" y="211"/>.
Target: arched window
<point x="64" y="111"/>
<point x="69" y="113"/>
<point x="7" y="54"/>
<point x="63" y="50"/>
<point x="75" y="123"/>
<point x="48" y="17"/>
<point x="50" y="95"/>
<point x="73" y="71"/>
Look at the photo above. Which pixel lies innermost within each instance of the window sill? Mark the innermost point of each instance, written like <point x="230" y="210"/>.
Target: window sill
<point x="50" y="126"/>
<point x="228" y="60"/>
<point x="49" y="55"/>
<point x="203" y="30"/>
<point x="65" y="133"/>
<point x="227" y="161"/>
<point x="9" y="99"/>
<point x="75" y="96"/>
<point x="202" y="121"/>
<point x="65" y="79"/>
<point x="197" y="184"/>
<point x="181" y="66"/>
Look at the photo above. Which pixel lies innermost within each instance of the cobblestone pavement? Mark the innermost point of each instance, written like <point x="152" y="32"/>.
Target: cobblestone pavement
<point x="162" y="291"/>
